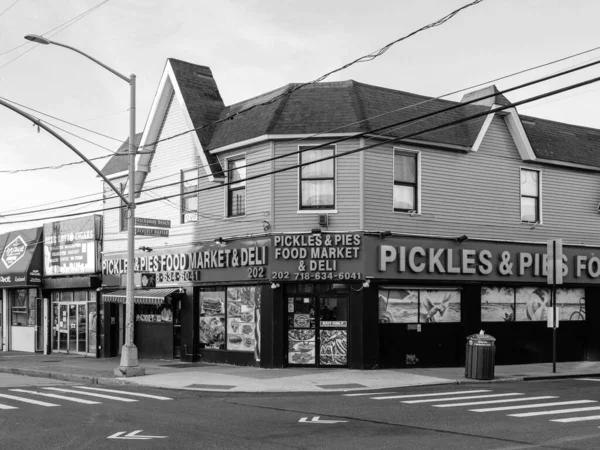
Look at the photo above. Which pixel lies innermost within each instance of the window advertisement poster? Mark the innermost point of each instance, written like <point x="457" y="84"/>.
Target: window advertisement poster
<point x="71" y="246"/>
<point x="212" y="319"/>
<point x="242" y="309"/>
<point x="333" y="347"/>
<point x="301" y="346"/>
<point x="439" y="306"/>
<point x="532" y="304"/>
<point x="571" y="303"/>
<point x="398" y="305"/>
<point x="497" y="304"/>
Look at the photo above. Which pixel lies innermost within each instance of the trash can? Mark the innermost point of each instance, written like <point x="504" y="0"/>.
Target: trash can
<point x="479" y="361"/>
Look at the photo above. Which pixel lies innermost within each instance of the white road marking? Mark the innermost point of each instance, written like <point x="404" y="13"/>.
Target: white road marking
<point x="115" y="391"/>
<point x="27" y="400"/>
<point x="368" y="393"/>
<point x="430" y="395"/>
<point x="504" y="400"/>
<point x="449" y="399"/>
<point x="576" y="419"/>
<point x="91" y="394"/>
<point x="588" y="379"/>
<point x="7" y="407"/>
<point x="60" y="397"/>
<point x="536" y="405"/>
<point x="555" y="411"/>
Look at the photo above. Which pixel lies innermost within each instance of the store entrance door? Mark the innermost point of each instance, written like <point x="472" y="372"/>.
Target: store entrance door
<point x="317" y="334"/>
<point x="70" y="327"/>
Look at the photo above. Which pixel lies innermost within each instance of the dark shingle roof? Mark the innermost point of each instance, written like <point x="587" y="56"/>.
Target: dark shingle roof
<point x="119" y="162"/>
<point x="347" y="107"/>
<point x="203" y="102"/>
<point x="563" y="142"/>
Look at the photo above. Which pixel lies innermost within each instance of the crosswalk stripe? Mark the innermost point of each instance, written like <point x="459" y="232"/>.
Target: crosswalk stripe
<point x="92" y="394"/>
<point x="431" y="394"/>
<point x="367" y="393"/>
<point x="504" y="400"/>
<point x="555" y="411"/>
<point x="60" y="397"/>
<point x="535" y="405"/>
<point x="27" y="400"/>
<point x="7" y="407"/>
<point x="576" y="419"/>
<point x="588" y="379"/>
<point x="450" y="399"/>
<point x="136" y="394"/>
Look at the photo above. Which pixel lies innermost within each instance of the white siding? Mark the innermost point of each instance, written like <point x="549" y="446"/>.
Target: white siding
<point x="478" y="194"/>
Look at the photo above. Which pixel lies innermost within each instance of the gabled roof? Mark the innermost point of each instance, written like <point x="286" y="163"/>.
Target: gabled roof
<point x="119" y="162"/>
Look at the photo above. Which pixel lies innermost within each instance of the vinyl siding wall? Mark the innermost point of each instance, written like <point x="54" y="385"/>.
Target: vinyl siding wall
<point x="347" y="190"/>
<point x="478" y="194"/>
<point x="170" y="158"/>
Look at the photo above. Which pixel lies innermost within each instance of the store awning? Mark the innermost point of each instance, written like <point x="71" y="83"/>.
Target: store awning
<point x="21" y="258"/>
<point x="140" y="296"/>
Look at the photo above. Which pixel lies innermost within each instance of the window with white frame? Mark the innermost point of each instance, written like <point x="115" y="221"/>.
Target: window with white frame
<point x="317" y="181"/>
<point x="406" y="182"/>
<point x="189" y="196"/>
<point x="236" y="191"/>
<point x="530" y="195"/>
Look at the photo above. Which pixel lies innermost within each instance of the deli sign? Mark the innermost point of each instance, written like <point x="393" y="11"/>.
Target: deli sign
<point x="438" y="259"/>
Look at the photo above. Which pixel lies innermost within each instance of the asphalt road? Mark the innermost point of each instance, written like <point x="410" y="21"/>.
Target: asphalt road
<point x="426" y="417"/>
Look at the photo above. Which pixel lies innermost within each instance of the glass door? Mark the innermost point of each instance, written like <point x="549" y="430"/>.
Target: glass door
<point x="302" y="334"/>
<point x="81" y="328"/>
<point x="333" y="331"/>
<point x="62" y="341"/>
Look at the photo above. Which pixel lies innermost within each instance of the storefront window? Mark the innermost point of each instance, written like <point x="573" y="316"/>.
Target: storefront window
<point x="400" y="305"/>
<point x="154" y="313"/>
<point x="530" y="304"/>
<point x="22" y="306"/>
<point x="230" y="318"/>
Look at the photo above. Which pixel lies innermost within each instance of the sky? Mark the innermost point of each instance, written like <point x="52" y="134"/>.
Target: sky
<point x="252" y="47"/>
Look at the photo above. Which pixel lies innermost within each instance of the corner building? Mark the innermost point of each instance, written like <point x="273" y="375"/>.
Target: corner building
<point x="388" y="252"/>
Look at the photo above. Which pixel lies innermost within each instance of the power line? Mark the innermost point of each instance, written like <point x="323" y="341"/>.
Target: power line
<point x="371" y="56"/>
<point x="358" y="121"/>
<point x="362" y="134"/>
<point x="349" y="152"/>
<point x="6" y="10"/>
<point x="61" y="120"/>
<point x="62" y="27"/>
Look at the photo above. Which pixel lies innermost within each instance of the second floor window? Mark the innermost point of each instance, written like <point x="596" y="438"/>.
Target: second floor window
<point x="317" y="181"/>
<point x="530" y="195"/>
<point x="189" y="198"/>
<point x="406" y="181"/>
<point x="236" y="191"/>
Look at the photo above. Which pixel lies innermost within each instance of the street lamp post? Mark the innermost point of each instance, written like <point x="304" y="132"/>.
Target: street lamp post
<point x="129" y="365"/>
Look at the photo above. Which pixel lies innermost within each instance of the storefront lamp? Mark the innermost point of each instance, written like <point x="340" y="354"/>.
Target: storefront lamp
<point x="129" y="354"/>
<point x="462" y="238"/>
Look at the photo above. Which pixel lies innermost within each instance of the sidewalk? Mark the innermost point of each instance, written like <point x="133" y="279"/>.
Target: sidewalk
<point x="226" y="378"/>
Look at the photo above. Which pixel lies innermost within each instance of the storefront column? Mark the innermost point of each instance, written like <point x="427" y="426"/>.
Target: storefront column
<point x="5" y="320"/>
<point x="363" y="333"/>
<point x="190" y="312"/>
<point x="272" y="327"/>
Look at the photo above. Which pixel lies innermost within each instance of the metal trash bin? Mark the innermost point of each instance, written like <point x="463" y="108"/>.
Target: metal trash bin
<point x="479" y="360"/>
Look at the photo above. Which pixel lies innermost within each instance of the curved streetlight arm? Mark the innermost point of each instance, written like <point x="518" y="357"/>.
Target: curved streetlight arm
<point x="123" y="77"/>
<point x="64" y="141"/>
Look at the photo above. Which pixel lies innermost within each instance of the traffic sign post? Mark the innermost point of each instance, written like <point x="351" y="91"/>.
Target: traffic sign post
<point x="555" y="276"/>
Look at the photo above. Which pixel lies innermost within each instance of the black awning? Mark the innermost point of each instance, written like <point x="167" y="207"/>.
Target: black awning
<point x="21" y="258"/>
<point x="140" y="296"/>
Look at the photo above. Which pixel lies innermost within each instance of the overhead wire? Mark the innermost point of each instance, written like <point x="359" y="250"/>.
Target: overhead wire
<point x="62" y="27"/>
<point x="362" y="134"/>
<point x="349" y="152"/>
